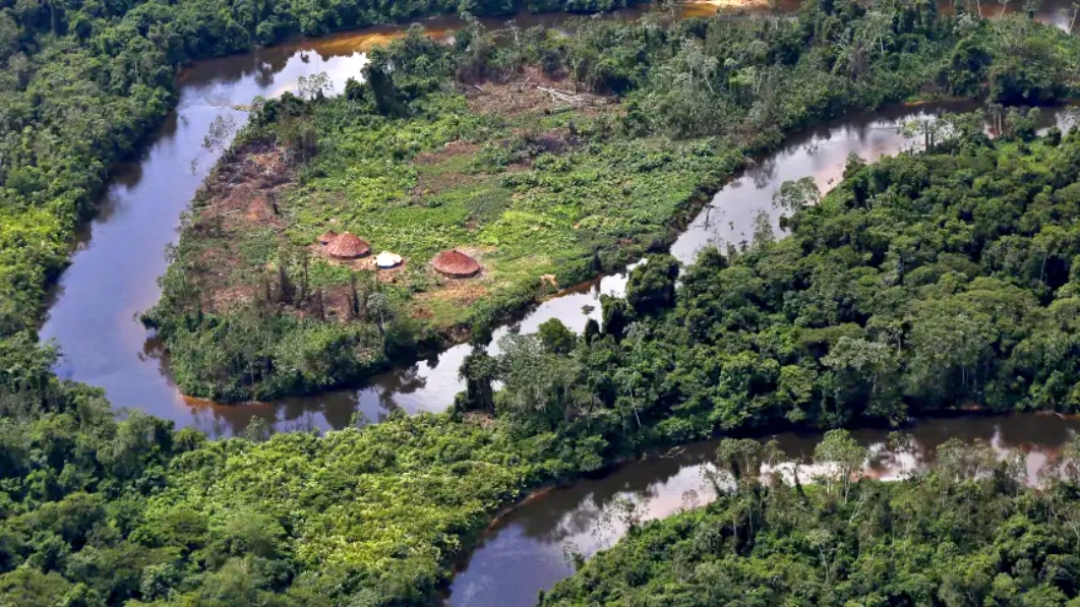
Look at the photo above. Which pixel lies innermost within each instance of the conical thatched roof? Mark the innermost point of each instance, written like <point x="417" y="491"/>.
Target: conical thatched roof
<point x="347" y="246"/>
<point x="455" y="264"/>
<point x="327" y="237"/>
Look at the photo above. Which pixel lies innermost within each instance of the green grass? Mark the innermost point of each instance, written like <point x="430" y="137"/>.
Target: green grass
<point x="528" y="195"/>
<point x="394" y="183"/>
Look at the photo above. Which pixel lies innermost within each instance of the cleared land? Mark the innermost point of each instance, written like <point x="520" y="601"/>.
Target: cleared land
<point x="524" y="176"/>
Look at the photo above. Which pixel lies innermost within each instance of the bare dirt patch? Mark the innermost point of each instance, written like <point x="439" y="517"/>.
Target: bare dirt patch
<point x="362" y="264"/>
<point x="225" y="298"/>
<point x="531" y="92"/>
<point x="448" y="151"/>
<point x="454" y="291"/>
<point x="457" y="292"/>
<point x="245" y="189"/>
<point x="239" y="198"/>
<point x="239" y="205"/>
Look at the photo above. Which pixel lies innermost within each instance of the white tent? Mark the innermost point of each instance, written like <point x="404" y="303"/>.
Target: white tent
<point x="386" y="259"/>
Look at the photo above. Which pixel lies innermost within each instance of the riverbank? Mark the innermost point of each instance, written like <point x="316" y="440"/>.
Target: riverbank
<point x="526" y="553"/>
<point x="383" y="512"/>
<point x="59" y="183"/>
<point x="568" y="445"/>
<point x="378" y="514"/>
<point x="541" y="189"/>
<point x="452" y="194"/>
<point x="839" y="539"/>
<point x="113" y="279"/>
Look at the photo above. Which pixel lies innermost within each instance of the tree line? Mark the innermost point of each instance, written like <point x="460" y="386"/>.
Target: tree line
<point x="83" y="84"/>
<point x="967" y="530"/>
<point x="921" y="283"/>
<point x="700" y="98"/>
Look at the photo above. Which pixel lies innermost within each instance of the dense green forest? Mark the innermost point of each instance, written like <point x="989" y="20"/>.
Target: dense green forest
<point x="96" y="512"/>
<point x="83" y="83"/>
<point x="919" y="284"/>
<point x="967" y="531"/>
<point x="415" y="160"/>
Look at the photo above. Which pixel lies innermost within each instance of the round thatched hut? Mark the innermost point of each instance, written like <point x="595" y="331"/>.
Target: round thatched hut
<point x="327" y="237"/>
<point x="347" y="246"/>
<point x="455" y="264"/>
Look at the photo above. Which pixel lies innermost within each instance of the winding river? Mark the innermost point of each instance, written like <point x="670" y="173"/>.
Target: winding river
<point x="526" y="551"/>
<point x="114" y="270"/>
<point x="113" y="276"/>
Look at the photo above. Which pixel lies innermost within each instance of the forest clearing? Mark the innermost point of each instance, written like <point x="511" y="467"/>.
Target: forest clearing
<point x="930" y="283"/>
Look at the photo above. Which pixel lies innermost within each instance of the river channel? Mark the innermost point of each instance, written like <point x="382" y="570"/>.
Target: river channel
<point x="114" y="270"/>
<point x="526" y="551"/>
<point x="113" y="275"/>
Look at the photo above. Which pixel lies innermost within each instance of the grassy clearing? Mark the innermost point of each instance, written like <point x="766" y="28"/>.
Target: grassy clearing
<point x="526" y="194"/>
<point x="467" y="146"/>
<point x="503" y="172"/>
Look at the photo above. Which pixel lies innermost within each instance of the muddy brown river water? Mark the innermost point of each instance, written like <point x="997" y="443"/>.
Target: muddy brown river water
<point x="527" y="550"/>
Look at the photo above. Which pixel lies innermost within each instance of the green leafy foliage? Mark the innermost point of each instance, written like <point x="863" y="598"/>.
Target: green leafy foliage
<point x="83" y="84"/>
<point x="415" y="160"/>
<point x="95" y="511"/>
<point x="919" y="284"/>
<point x="923" y="283"/>
<point x="946" y="537"/>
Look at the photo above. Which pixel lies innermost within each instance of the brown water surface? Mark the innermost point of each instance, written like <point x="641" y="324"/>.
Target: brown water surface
<point x="113" y="277"/>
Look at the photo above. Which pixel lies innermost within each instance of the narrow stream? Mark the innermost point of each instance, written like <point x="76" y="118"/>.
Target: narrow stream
<point x="113" y="274"/>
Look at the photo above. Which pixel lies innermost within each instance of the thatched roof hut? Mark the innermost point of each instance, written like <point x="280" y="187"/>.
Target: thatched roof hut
<point x="347" y="246"/>
<point x="327" y="237"/>
<point x="455" y="264"/>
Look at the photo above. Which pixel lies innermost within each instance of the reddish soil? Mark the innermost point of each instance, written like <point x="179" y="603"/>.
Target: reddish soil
<point x="245" y="190"/>
<point x="458" y="291"/>
<point x="239" y="196"/>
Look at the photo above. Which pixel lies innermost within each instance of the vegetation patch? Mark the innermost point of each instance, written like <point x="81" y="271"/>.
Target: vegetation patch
<point x="965" y="531"/>
<point x="920" y="284"/>
<point x="546" y="162"/>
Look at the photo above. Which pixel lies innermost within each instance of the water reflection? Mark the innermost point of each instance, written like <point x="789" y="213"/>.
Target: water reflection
<point x="115" y="268"/>
<point x="728" y="218"/>
<point x="820" y="153"/>
<point x="526" y="551"/>
<point x="118" y="256"/>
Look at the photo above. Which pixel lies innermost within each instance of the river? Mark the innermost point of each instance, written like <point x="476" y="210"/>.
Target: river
<point x="728" y="218"/>
<point x="113" y="275"/>
<point x="112" y="278"/>
<point x="525" y="551"/>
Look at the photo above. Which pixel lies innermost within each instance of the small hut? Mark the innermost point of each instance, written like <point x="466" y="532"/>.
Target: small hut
<point x="327" y="237"/>
<point x="455" y="264"/>
<point x="347" y="246"/>
<point x="387" y="260"/>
